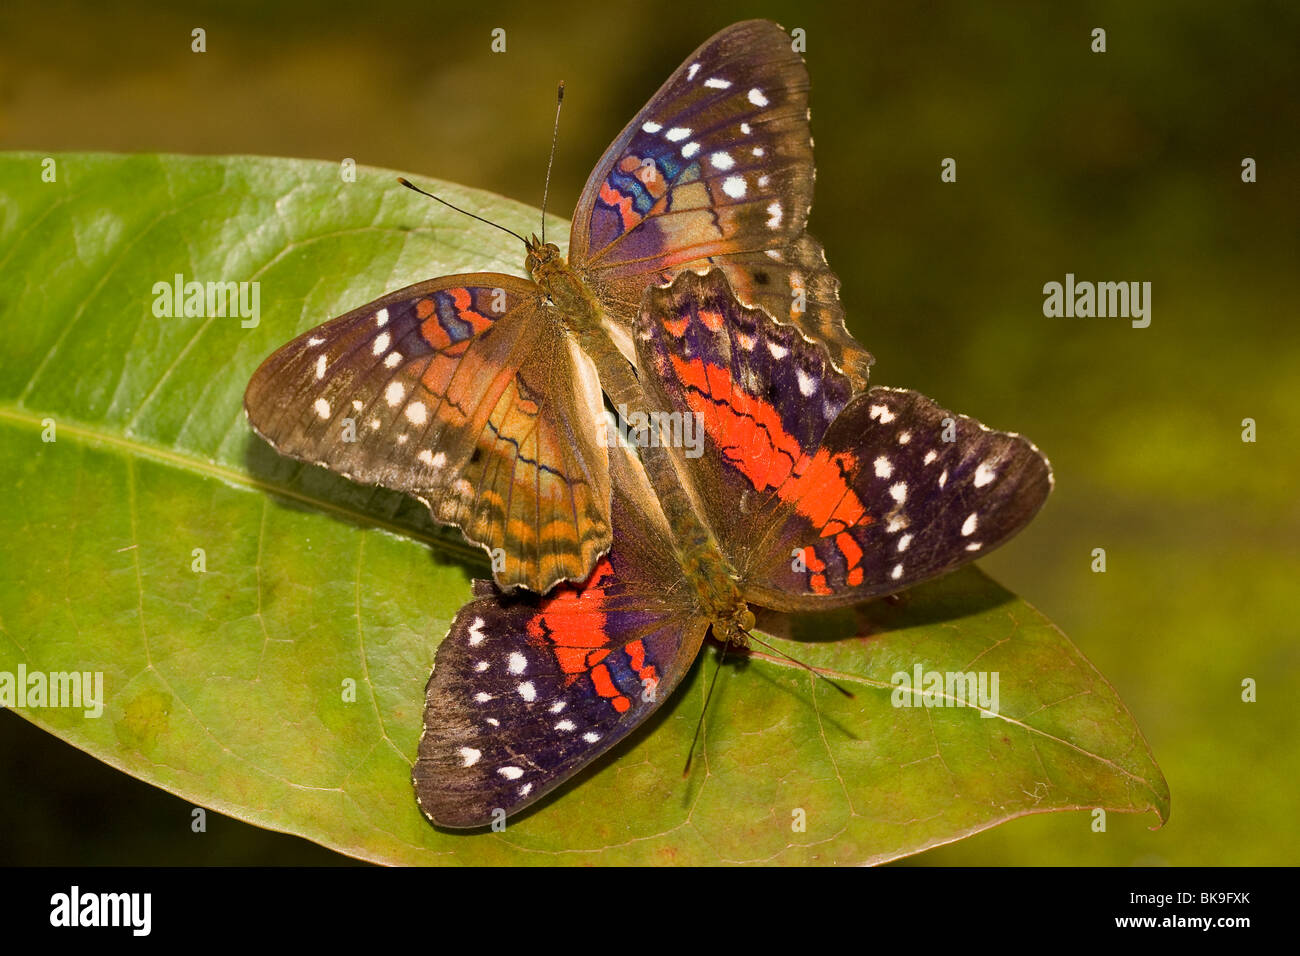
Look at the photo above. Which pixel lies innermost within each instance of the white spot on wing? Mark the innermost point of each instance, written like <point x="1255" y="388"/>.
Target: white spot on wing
<point x="677" y="134"/>
<point x="930" y="456"/>
<point x="715" y="83"/>
<point x="566" y="725"/>
<point x="774" y="215"/>
<point x="320" y="367"/>
<point x="968" y="527"/>
<point x="690" y="149"/>
<point x="381" y="343"/>
<point x="898" y="491"/>
<point x="722" y="160"/>
<point x="381" y="318"/>
<point x="417" y="413"/>
<point x="903" y="542"/>
<point x="883" y="468"/>
<point x="897" y="572"/>
<point x="322" y="408"/>
<point x="882" y="413"/>
<point x="518" y="663"/>
<point x="807" y="384"/>
<point x="734" y="186"/>
<point x="983" y="475"/>
<point x="476" y="634"/>
<point x="651" y="127"/>
<point x="778" y="350"/>
<point x="757" y="98"/>
<point x="510" y="773"/>
<point x="394" y="393"/>
<point x="392" y="360"/>
<point x="470" y="755"/>
<point x="527" y="691"/>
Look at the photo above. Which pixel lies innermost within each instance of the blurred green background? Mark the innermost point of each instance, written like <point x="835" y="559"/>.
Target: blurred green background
<point x="1117" y="166"/>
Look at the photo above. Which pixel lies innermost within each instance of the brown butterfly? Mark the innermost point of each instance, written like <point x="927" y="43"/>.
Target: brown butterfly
<point x="480" y="394"/>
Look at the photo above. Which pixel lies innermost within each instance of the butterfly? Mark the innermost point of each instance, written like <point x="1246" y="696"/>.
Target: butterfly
<point x="481" y="394"/>
<point x="816" y="495"/>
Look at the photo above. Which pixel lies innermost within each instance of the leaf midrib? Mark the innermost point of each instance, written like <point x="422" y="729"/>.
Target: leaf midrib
<point x="206" y="468"/>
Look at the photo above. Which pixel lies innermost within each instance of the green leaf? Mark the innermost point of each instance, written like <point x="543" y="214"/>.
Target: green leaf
<point x="227" y="686"/>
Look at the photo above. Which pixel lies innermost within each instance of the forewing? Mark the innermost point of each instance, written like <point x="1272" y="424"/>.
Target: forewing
<point x="527" y="691"/>
<point x="462" y="392"/>
<point x="717" y="168"/>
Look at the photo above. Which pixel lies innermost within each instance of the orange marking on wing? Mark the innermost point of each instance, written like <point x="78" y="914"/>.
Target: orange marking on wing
<point x="424" y="308"/>
<point x="636" y="656"/>
<point x="825" y="498"/>
<point x="712" y="320"/>
<point x="754" y="439"/>
<point x="676" y="327"/>
<point x="462" y="300"/>
<point x="817" y="580"/>
<point x="612" y="197"/>
<point x="573" y="620"/>
<point x="849" y="548"/>
<point x="605" y="688"/>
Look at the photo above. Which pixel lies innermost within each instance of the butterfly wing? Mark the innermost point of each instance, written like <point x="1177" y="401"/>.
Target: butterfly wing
<point x="818" y="497"/>
<point x="717" y="168"/>
<point x="461" y="392"/>
<point x="528" y="690"/>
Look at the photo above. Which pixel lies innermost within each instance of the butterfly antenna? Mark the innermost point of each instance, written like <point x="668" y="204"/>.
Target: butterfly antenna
<point x="810" y="669"/>
<point x="700" y="725"/>
<point x="409" y="185"/>
<point x="555" y="137"/>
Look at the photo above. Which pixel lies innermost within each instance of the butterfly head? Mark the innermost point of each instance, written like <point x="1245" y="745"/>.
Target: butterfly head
<point x="734" y="626"/>
<point x="542" y="257"/>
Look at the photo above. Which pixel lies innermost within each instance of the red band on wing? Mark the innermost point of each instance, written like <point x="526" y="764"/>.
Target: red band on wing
<point x="612" y="197"/>
<point x="605" y="688"/>
<point x="635" y="651"/>
<point x="573" y="624"/>
<point x="752" y="437"/>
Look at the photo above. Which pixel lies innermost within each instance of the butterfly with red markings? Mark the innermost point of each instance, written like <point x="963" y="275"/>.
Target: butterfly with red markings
<point x="480" y="394"/>
<point x="816" y="497"/>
